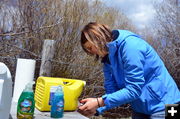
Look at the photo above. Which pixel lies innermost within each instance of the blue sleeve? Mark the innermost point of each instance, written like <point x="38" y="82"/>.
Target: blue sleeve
<point x="133" y="57"/>
<point x="109" y="81"/>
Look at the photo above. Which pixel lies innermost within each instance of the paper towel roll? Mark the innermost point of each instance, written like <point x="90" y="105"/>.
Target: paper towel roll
<point x="24" y="74"/>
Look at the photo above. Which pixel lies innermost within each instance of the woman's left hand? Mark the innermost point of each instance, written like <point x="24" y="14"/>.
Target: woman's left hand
<point x="89" y="107"/>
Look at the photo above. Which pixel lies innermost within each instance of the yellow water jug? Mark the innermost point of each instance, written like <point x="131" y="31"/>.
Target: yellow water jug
<point x="72" y="90"/>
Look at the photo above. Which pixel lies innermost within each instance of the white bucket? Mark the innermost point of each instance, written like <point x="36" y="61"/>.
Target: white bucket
<point x="5" y="91"/>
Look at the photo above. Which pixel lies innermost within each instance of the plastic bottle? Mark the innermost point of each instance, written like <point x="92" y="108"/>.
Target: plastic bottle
<point x="57" y="105"/>
<point x="26" y="103"/>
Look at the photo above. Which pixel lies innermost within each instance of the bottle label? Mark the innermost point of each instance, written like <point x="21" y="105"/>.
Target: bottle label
<point x="52" y="91"/>
<point x="60" y="106"/>
<point x="25" y="105"/>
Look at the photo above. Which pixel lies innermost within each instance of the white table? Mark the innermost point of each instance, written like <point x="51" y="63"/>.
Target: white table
<point x="46" y="115"/>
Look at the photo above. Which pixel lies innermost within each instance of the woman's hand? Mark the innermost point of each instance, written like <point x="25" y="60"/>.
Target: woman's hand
<point x="89" y="107"/>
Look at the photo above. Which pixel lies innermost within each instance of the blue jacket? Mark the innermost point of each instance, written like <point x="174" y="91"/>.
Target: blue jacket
<point x="136" y="75"/>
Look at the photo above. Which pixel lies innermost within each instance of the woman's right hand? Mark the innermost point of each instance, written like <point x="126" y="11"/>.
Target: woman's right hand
<point x="89" y="107"/>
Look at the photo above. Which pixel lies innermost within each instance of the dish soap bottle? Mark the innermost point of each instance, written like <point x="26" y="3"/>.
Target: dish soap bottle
<point x="26" y="103"/>
<point x="57" y="105"/>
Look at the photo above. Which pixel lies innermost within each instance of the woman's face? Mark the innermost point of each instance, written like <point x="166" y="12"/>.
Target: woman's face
<point x="93" y="49"/>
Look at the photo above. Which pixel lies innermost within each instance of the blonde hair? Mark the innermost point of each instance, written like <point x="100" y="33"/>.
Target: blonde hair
<point x="97" y="34"/>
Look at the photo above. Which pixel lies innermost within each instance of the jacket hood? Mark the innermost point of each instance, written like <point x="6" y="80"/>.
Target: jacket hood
<point x="118" y="37"/>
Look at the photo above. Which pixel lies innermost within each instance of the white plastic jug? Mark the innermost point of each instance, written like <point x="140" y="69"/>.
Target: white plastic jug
<point x="5" y="91"/>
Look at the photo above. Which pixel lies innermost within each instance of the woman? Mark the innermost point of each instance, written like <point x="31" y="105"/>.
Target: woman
<point x="133" y="72"/>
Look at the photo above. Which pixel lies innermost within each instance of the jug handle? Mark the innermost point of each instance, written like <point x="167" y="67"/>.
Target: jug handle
<point x="69" y="82"/>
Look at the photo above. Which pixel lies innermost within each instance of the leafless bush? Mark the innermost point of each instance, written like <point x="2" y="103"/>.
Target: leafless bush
<point x="167" y="38"/>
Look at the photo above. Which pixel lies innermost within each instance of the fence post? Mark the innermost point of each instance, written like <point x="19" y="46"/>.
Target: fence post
<point x="47" y="56"/>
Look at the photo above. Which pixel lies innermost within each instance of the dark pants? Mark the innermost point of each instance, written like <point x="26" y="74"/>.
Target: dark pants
<point x="157" y="115"/>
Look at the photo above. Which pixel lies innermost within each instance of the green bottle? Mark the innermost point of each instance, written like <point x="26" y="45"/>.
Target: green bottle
<point x="26" y="103"/>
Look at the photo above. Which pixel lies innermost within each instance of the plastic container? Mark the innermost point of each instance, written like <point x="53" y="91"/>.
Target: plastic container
<point x="5" y="91"/>
<point x="72" y="90"/>
<point x="57" y="104"/>
<point x="26" y="103"/>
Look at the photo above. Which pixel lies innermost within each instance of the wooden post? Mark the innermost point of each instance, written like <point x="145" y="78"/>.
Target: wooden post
<point x="47" y="56"/>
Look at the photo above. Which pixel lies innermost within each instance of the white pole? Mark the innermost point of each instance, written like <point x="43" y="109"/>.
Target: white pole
<point x="25" y="69"/>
